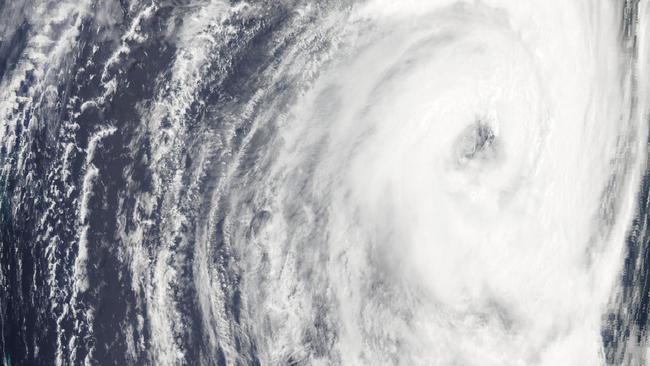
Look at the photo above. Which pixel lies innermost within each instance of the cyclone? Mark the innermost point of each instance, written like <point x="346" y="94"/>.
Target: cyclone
<point x="376" y="182"/>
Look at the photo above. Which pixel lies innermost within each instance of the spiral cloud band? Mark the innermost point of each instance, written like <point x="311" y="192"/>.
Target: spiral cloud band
<point x="380" y="182"/>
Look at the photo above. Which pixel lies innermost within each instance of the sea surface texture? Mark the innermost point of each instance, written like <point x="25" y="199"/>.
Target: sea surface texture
<point x="286" y="182"/>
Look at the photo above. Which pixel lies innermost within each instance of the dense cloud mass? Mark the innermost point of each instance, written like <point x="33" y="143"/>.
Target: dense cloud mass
<point x="377" y="182"/>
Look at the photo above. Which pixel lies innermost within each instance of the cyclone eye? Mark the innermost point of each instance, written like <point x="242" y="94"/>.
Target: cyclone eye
<point x="476" y="143"/>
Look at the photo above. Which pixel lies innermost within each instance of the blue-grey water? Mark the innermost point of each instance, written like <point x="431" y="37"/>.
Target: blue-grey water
<point x="145" y="218"/>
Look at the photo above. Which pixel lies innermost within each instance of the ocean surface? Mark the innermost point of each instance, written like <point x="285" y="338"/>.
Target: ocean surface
<point x="379" y="182"/>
